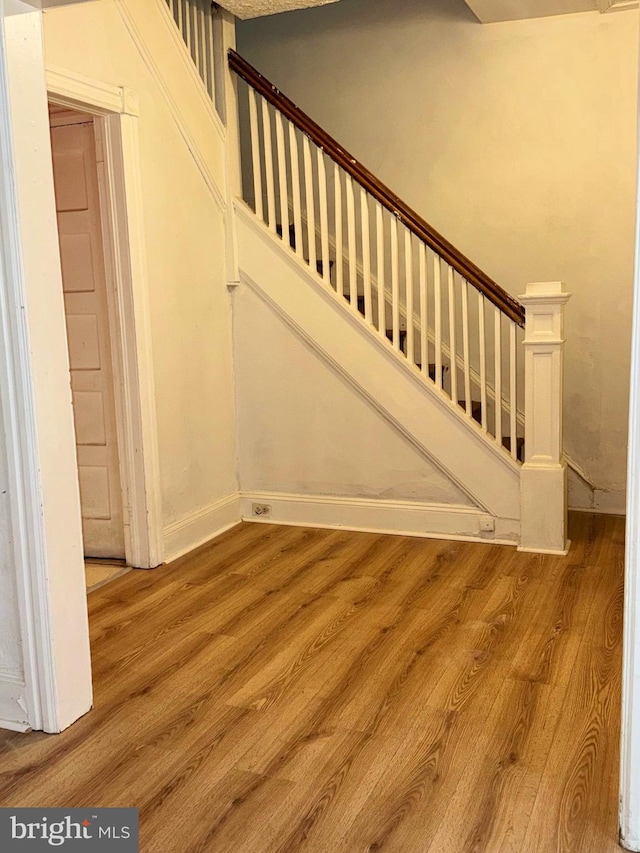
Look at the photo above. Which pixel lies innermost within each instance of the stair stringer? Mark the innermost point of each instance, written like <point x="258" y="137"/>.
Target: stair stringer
<point x="417" y="409"/>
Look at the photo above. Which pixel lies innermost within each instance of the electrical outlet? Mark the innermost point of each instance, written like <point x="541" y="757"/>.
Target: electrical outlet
<point x="261" y="510"/>
<point x="487" y="524"/>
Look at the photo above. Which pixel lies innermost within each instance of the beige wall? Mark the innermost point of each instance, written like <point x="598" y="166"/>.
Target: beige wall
<point x="304" y="430"/>
<point x="185" y="240"/>
<point x="515" y="140"/>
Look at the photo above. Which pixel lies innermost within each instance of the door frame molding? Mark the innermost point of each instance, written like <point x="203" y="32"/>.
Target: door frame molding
<point x="115" y="112"/>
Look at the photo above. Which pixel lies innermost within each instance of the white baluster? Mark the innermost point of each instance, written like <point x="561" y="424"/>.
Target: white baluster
<point x="512" y="390"/>
<point x="295" y="190"/>
<point x="268" y="166"/>
<point x="324" y="218"/>
<point x="186" y="23"/>
<point x="453" y="348"/>
<point x="408" y="286"/>
<point x="366" y="254"/>
<point x="209" y="53"/>
<point x="337" y="192"/>
<point x="382" y="319"/>
<point x="497" y="338"/>
<point x="424" y="309"/>
<point x="311" y="215"/>
<point x="483" y="362"/>
<point x="395" y="286"/>
<point x="437" y="307"/>
<point x="200" y="40"/>
<point x="255" y="154"/>
<point x="193" y="30"/>
<point x="465" y="348"/>
<point x="282" y="178"/>
<point x="352" y="251"/>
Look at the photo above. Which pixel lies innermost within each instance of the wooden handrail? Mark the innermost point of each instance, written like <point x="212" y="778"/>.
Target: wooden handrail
<point x="413" y="221"/>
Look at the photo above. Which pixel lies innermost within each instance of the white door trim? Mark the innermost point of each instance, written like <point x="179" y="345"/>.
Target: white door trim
<point x="116" y="110"/>
<point x="630" y="724"/>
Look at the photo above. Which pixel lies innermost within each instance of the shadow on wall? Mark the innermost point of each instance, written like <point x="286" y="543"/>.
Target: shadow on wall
<point x="343" y="14"/>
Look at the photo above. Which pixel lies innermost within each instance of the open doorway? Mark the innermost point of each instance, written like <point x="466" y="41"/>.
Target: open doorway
<point x="84" y="279"/>
<point x="99" y="204"/>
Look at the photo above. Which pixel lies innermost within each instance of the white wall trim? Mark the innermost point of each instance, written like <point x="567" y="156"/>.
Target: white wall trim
<point x="122" y="215"/>
<point x="75" y="90"/>
<point x="371" y="515"/>
<point x="45" y="510"/>
<point x="200" y="526"/>
<point x="159" y="75"/>
<point x="131" y="345"/>
<point x="629" y="816"/>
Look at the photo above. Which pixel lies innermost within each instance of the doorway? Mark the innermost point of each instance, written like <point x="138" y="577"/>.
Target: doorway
<point x="84" y="279"/>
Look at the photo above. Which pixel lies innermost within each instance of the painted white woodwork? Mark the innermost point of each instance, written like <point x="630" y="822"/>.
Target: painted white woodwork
<point x="337" y="194"/>
<point x="255" y="154"/>
<point x="86" y="310"/>
<point x="395" y="284"/>
<point x="483" y="362"/>
<point x="351" y="243"/>
<point x="309" y="202"/>
<point x="453" y="350"/>
<point x="408" y="284"/>
<point x="513" y="399"/>
<point x="497" y="373"/>
<point x="424" y="309"/>
<point x="543" y="483"/>
<point x="376" y="370"/>
<point x="437" y="308"/>
<point x="324" y="217"/>
<point x="295" y="188"/>
<point x="395" y="517"/>
<point x="268" y="165"/>
<point x="380" y="284"/>
<point x="629" y="815"/>
<point x="283" y="193"/>
<point x="466" y="364"/>
<point x="118" y="166"/>
<point x="48" y="685"/>
<point x="366" y="255"/>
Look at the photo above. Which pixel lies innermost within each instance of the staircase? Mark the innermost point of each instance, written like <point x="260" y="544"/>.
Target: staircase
<point x="468" y="374"/>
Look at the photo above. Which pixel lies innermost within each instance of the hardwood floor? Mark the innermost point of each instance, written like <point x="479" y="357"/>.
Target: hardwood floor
<point x="289" y="689"/>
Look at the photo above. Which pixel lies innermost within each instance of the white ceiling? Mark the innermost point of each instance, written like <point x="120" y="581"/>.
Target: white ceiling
<point x="256" y="8"/>
<point x="490" y="11"/>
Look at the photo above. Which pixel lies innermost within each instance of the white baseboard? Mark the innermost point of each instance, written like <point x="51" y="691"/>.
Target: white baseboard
<point x="434" y="521"/>
<point x="13" y="714"/>
<point x="602" y="501"/>
<point x="199" y="527"/>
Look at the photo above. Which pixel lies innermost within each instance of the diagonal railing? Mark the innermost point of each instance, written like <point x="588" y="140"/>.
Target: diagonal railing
<point x="435" y="307"/>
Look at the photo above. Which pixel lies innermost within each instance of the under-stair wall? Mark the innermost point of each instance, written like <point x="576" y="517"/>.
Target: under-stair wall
<point x="183" y="186"/>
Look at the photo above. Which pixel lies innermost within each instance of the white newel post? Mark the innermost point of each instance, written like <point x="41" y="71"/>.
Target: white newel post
<point x="543" y="483"/>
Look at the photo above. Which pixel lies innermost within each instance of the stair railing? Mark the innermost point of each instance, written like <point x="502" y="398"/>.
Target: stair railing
<point x="429" y="302"/>
<point x="200" y="27"/>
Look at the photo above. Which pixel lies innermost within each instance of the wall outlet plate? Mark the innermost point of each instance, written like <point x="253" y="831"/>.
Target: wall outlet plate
<point x="487" y="524"/>
<point x="261" y="510"/>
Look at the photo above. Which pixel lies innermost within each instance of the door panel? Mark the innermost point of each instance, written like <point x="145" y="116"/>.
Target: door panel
<point x="83" y="276"/>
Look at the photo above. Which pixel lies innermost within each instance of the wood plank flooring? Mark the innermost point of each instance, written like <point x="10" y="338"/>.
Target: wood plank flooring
<point x="288" y="689"/>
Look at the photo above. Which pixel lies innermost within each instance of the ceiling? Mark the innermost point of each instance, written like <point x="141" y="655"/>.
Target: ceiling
<point x="487" y="11"/>
<point x="491" y="11"/>
<point x="256" y="8"/>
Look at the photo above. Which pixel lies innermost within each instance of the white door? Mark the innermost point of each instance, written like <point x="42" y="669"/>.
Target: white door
<point x="83" y="276"/>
